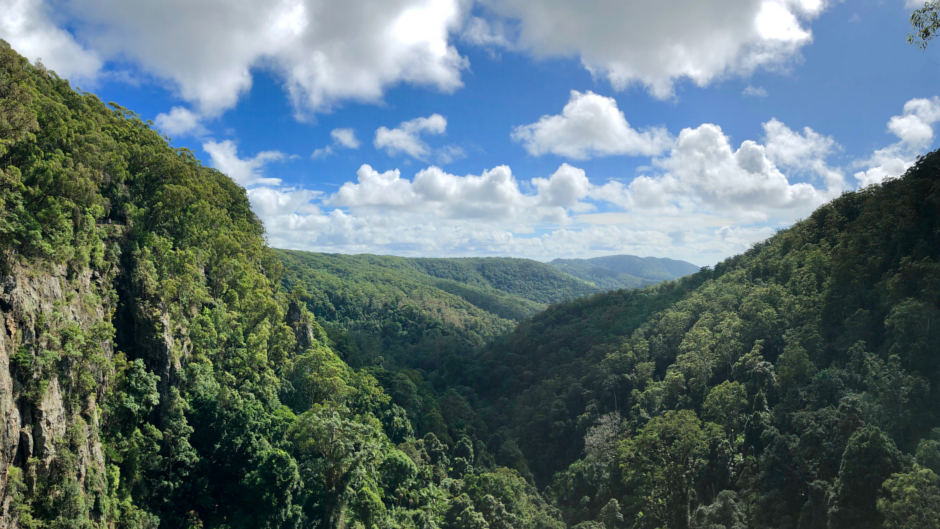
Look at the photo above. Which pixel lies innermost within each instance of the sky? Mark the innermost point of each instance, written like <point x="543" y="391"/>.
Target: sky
<point x="548" y="129"/>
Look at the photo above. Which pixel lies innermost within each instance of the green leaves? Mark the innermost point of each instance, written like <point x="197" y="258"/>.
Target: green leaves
<point x="911" y="500"/>
<point x="926" y="22"/>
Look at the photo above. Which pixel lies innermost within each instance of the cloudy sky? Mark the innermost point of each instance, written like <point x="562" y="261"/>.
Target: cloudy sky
<point x="546" y="129"/>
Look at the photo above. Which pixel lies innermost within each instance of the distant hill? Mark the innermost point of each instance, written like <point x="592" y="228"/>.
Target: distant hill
<point x="404" y="308"/>
<point x="614" y="272"/>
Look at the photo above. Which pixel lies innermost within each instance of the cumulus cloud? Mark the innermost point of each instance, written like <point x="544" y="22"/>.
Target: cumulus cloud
<point x="28" y="26"/>
<point x="915" y="125"/>
<point x="914" y="130"/>
<point x="329" y="52"/>
<point x="269" y="202"/>
<point x="657" y="43"/>
<point x="589" y="125"/>
<point x="179" y="122"/>
<point x="406" y="138"/>
<point x="245" y="172"/>
<point x="702" y="200"/>
<point x="803" y="152"/>
<point x="493" y="195"/>
<point x="324" y="51"/>
<point x="703" y="172"/>
<point x="566" y="187"/>
<point x="342" y="139"/>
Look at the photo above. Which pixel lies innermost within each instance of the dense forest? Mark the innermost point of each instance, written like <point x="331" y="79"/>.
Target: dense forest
<point x="402" y="308"/>
<point x="412" y="323"/>
<point x="614" y="272"/>
<point x="795" y="385"/>
<point x="160" y="366"/>
<point x="152" y="373"/>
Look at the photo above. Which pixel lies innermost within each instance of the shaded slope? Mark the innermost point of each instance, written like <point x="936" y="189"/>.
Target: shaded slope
<point x="781" y="355"/>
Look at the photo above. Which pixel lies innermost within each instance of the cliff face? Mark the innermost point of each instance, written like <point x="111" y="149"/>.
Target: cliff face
<point x="114" y="250"/>
<point x="55" y="353"/>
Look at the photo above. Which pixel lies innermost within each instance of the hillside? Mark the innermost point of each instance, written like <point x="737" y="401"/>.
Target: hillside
<point x="152" y="373"/>
<point x="161" y="367"/>
<point x="795" y="385"/>
<point x="614" y="272"/>
<point x="413" y="322"/>
<point x="411" y="311"/>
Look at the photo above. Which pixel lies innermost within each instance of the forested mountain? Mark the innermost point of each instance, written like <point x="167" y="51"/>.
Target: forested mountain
<point x="414" y="323"/>
<point x="614" y="272"/>
<point x="395" y="306"/>
<point x="161" y="367"/>
<point x="152" y="373"/>
<point x="796" y="385"/>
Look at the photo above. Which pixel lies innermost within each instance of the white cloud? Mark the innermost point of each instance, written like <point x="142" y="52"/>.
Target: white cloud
<point x="567" y="187"/>
<point x="805" y="152"/>
<point x="325" y="51"/>
<point x="703" y="172"/>
<point x="245" y="172"/>
<point x="914" y="129"/>
<point x="271" y="202"/>
<point x="450" y="153"/>
<point x="915" y="126"/>
<point x="794" y="149"/>
<point x="589" y="125"/>
<point x="180" y="121"/>
<point x="482" y="32"/>
<point x="754" y="91"/>
<point x="701" y="201"/>
<point x="405" y="139"/>
<point x="29" y="28"/>
<point x="345" y="138"/>
<point x="885" y="163"/>
<point x="657" y="43"/>
<point x="342" y="139"/>
<point x="493" y="195"/>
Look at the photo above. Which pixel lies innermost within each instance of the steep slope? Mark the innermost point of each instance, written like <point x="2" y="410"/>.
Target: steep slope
<point x="152" y="374"/>
<point x="614" y="272"/>
<point x="780" y="389"/>
<point x="413" y="322"/>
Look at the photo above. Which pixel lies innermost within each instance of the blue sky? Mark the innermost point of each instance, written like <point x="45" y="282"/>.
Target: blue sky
<point x="532" y="129"/>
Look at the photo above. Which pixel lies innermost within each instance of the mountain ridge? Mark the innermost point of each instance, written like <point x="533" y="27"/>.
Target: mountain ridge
<point x="613" y="272"/>
<point x="161" y="367"/>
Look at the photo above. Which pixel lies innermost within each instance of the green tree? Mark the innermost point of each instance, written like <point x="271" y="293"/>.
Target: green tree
<point x="725" y="404"/>
<point x="911" y="500"/>
<point x="662" y="463"/>
<point x="870" y="457"/>
<point x="337" y="458"/>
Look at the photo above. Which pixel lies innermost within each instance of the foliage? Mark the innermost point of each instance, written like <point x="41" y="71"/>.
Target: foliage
<point x="795" y="385"/>
<point x="911" y="500"/>
<point x="809" y="361"/>
<point x="197" y="393"/>
<point x="926" y="22"/>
